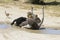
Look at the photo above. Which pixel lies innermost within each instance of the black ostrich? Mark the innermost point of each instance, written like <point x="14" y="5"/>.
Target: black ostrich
<point x="19" y="21"/>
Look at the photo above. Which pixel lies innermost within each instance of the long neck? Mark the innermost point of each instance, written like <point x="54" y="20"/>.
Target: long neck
<point x="42" y="17"/>
<point x="33" y="13"/>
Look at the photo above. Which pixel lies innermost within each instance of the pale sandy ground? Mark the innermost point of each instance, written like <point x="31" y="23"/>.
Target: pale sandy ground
<point x="14" y="33"/>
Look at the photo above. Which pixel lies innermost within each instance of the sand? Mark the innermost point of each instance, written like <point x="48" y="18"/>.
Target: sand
<point x="16" y="33"/>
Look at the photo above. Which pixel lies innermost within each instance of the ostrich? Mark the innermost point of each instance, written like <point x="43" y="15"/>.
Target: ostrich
<point x="22" y="21"/>
<point x="32" y="22"/>
<point x="42" y="17"/>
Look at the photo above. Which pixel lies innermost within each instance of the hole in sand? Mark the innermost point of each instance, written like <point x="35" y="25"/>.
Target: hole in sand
<point x="4" y="26"/>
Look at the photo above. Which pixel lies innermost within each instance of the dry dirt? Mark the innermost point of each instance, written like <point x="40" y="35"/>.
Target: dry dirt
<point x="8" y="32"/>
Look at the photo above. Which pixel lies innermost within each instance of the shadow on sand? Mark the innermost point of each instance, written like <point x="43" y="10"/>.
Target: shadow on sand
<point x="48" y="3"/>
<point x="53" y="3"/>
